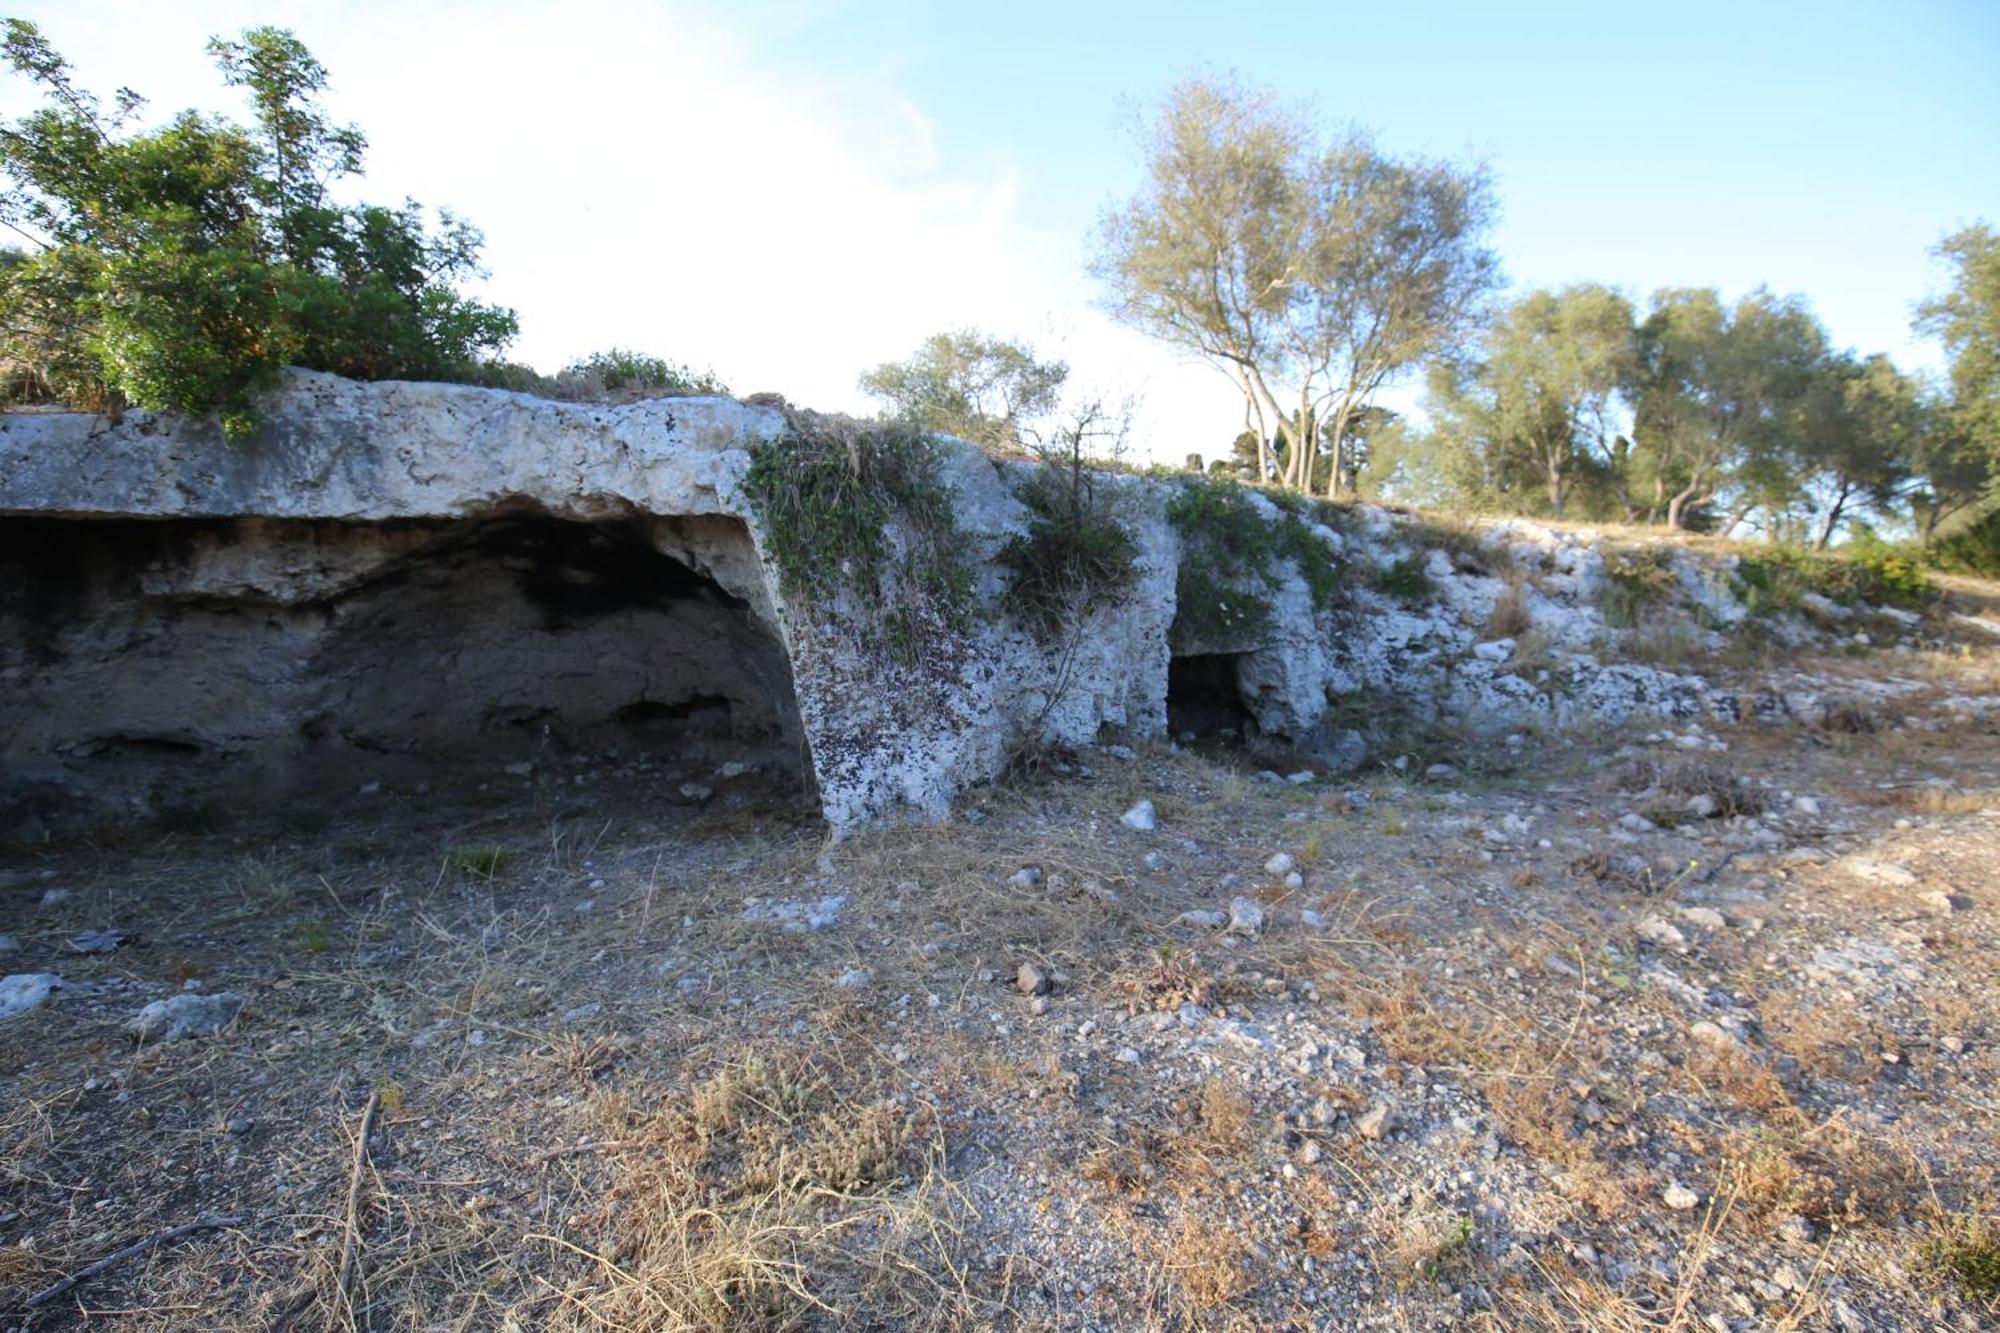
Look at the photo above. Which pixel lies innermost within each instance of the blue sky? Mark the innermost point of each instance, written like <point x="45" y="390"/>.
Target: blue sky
<point x="792" y="191"/>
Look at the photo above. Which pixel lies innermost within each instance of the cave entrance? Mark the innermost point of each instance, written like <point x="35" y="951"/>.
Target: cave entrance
<point x="527" y="638"/>
<point x="154" y="661"/>
<point x="1204" y="701"/>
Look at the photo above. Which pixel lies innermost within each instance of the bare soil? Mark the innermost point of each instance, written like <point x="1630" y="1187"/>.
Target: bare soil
<point x="1503" y="1058"/>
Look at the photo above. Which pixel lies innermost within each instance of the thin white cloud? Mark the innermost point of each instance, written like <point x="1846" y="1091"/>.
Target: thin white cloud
<point x="647" y="177"/>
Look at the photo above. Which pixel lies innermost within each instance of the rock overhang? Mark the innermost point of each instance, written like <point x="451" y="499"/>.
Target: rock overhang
<point x="345" y="480"/>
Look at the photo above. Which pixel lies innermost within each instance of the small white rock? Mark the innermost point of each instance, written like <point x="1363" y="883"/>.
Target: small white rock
<point x="1661" y="934"/>
<point x="1679" y="1197"/>
<point x="1140" y="818"/>
<point x="24" y="991"/>
<point x="1280" y="865"/>
<point x="185" y="1015"/>
<point x="854" y="978"/>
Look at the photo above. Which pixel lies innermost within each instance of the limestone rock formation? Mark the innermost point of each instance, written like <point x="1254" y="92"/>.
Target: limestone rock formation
<point x="393" y="581"/>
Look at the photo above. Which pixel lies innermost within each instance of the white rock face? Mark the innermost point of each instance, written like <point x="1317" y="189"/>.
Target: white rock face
<point x="333" y="598"/>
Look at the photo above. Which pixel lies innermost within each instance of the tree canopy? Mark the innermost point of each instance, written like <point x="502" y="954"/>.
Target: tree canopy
<point x="181" y="266"/>
<point x="972" y="385"/>
<point x="1312" y="274"/>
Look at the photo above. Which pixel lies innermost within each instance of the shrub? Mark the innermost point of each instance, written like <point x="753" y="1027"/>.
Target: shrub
<point x="1636" y="582"/>
<point x="1778" y="579"/>
<point x="1227" y="545"/>
<point x="1973" y="549"/>
<point x="1075" y="557"/>
<point x="181" y="268"/>
<point x="478" y="860"/>
<point x="1407" y="580"/>
<point x="614" y="376"/>
<point x="859" y="510"/>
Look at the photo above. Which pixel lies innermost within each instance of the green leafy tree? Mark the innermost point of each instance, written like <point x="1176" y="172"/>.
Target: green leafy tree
<point x="1312" y="275"/>
<point x="972" y="385"/>
<point x="1714" y="386"/>
<point x="181" y="267"/>
<point x="1966" y="319"/>
<point x="1539" y="405"/>
<point x="1850" y="450"/>
<point x="1951" y="473"/>
<point x="1957" y="459"/>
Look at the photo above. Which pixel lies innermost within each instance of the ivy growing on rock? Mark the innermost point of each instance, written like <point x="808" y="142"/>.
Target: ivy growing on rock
<point x="1228" y="546"/>
<point x="858" y="513"/>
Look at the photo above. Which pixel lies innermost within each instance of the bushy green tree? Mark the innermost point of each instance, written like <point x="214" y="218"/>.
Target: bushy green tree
<point x="1957" y="459"/>
<point x="1966" y="319"/>
<point x="1538" y="405"/>
<point x="180" y="267"/>
<point x="1850" y="450"/>
<point x="972" y="385"/>
<point x="1713" y="386"/>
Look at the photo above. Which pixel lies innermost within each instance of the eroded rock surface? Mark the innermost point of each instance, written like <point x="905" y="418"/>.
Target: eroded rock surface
<point x="393" y="582"/>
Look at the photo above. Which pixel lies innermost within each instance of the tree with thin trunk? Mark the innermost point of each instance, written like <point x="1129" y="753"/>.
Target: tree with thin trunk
<point x="1311" y="276"/>
<point x="1542" y="399"/>
<point x="1959" y="452"/>
<point x="1711" y="385"/>
<point x="1852" y="444"/>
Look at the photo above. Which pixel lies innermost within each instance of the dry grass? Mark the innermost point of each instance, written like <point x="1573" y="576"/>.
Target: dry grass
<point x="730" y="1142"/>
<point x="1510" y="618"/>
<point x="1729" y="792"/>
<point x="1947" y="800"/>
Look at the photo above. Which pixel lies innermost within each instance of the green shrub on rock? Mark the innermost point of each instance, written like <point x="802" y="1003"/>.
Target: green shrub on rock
<point x="181" y="267"/>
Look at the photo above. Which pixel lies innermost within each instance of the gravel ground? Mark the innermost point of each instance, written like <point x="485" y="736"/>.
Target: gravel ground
<point x="1648" y="1030"/>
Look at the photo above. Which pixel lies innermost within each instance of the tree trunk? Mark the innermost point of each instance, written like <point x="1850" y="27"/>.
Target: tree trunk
<point x="1677" y="508"/>
<point x="1736" y="519"/>
<point x="1833" y="518"/>
<point x="1337" y="460"/>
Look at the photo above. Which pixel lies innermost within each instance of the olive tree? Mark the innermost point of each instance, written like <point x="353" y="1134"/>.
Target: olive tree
<point x="1541" y="399"/>
<point x="1310" y="273"/>
<point x="1714" y="386"/>
<point x="970" y="384"/>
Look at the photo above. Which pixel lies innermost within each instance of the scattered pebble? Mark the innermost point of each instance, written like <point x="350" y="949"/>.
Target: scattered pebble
<point x="185" y="1015"/>
<point x="24" y="991"/>
<point x="1140" y="817"/>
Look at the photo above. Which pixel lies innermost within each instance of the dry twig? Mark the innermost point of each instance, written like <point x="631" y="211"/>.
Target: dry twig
<point x="158" y="1238"/>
